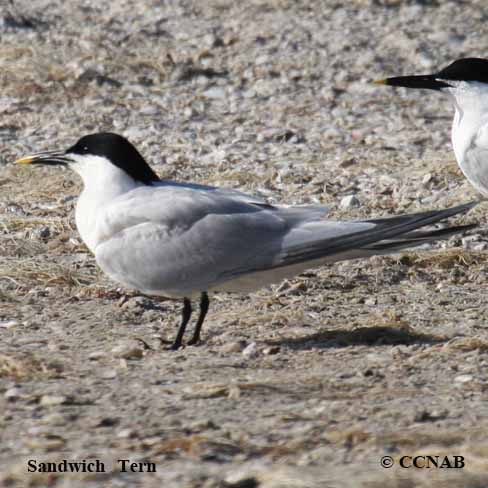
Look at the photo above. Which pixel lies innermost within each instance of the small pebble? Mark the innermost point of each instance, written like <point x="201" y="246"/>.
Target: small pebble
<point x="96" y="355"/>
<point x="47" y="444"/>
<point x="214" y="92"/>
<point x="52" y="400"/>
<point x="12" y="394"/>
<point x="241" y="479"/>
<point x="345" y="163"/>
<point x="189" y="112"/>
<point x="463" y="378"/>
<point x="108" y="422"/>
<point x="134" y="303"/>
<point x="54" y="419"/>
<point x="250" y="351"/>
<point x="426" y="178"/>
<point x="482" y="246"/>
<point x="426" y="416"/>
<point x="236" y="346"/>
<point x="203" y="424"/>
<point x="44" y="233"/>
<point x="377" y="358"/>
<point x="108" y="374"/>
<point x="8" y="324"/>
<point x="469" y="242"/>
<point x="269" y="351"/>
<point x="149" y="110"/>
<point x="426" y="60"/>
<point x="125" y="433"/>
<point x="234" y="392"/>
<point x="129" y="350"/>
<point x="350" y="201"/>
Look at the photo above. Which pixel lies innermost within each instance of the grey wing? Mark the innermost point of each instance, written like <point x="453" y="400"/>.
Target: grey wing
<point x="176" y="241"/>
<point x="307" y="212"/>
<point x="225" y="192"/>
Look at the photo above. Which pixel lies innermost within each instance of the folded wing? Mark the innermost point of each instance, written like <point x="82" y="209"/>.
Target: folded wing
<point x="178" y="242"/>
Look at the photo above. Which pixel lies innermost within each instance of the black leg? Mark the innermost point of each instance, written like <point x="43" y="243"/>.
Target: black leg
<point x="204" y="302"/>
<point x="185" y="317"/>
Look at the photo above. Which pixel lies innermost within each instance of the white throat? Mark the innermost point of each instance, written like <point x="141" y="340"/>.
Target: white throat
<point x="102" y="183"/>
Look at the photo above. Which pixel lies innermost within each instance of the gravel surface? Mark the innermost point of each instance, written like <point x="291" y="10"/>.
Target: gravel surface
<point x="305" y="384"/>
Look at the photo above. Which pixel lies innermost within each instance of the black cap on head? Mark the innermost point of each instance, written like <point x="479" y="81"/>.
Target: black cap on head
<point x="119" y="151"/>
<point x="466" y="69"/>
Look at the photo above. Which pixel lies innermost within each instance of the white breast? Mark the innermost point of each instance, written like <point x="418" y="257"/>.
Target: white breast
<point x="103" y="182"/>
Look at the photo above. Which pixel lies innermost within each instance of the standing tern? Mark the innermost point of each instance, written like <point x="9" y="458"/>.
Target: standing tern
<point x="466" y="82"/>
<point x="183" y="240"/>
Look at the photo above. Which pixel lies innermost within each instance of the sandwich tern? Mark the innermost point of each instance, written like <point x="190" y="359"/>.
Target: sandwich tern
<point x="466" y="82"/>
<point x="184" y="240"/>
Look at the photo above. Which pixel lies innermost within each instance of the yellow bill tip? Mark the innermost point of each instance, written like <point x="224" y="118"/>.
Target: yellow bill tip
<point x="25" y="160"/>
<point x="384" y="81"/>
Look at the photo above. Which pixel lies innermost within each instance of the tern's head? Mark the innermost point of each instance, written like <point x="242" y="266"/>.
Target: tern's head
<point x="467" y="74"/>
<point x="98" y="155"/>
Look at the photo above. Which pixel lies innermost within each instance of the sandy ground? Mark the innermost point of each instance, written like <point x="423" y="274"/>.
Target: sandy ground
<point x="306" y="384"/>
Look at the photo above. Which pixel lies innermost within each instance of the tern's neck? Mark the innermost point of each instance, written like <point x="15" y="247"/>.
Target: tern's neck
<point x="102" y="185"/>
<point x="104" y="182"/>
<point x="471" y="113"/>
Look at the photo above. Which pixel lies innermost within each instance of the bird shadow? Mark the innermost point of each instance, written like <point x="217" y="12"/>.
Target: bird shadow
<point x="361" y="336"/>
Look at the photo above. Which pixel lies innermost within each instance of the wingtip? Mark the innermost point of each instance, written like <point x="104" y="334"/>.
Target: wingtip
<point x="469" y="205"/>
